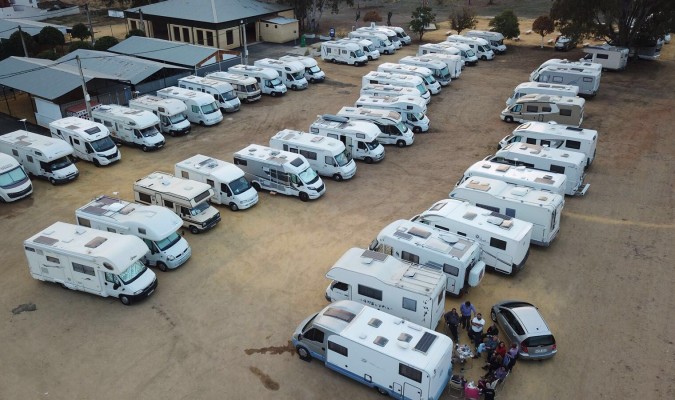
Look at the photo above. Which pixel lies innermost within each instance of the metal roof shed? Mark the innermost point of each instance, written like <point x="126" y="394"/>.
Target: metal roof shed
<point x="9" y="26"/>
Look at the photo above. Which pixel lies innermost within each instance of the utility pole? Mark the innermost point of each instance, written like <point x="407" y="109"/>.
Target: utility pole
<point x="84" y="88"/>
<point x="244" y="53"/>
<point x="23" y="42"/>
<point x="91" y="28"/>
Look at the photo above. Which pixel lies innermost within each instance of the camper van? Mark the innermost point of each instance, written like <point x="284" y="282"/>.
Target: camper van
<point x="366" y="46"/>
<point x="156" y="225"/>
<point x="438" y="68"/>
<point x="227" y="180"/>
<point x="392" y="128"/>
<point x="90" y="140"/>
<point x="172" y="113"/>
<point x="456" y="256"/>
<point x="453" y="62"/>
<point x="570" y="163"/>
<point x="187" y="198"/>
<point x="556" y="136"/>
<point x="291" y="73"/>
<point x="391" y="91"/>
<point x="246" y="87"/>
<point x="542" y="209"/>
<point x="505" y="240"/>
<point x="313" y="73"/>
<point x="280" y="172"/>
<point x="588" y="80"/>
<point x="42" y="156"/>
<point x="343" y="52"/>
<point x="425" y="73"/>
<point x="383" y="78"/>
<point x="359" y="137"/>
<point x="545" y="108"/>
<point x="14" y="182"/>
<point x="201" y="108"/>
<point x="479" y="46"/>
<point x="565" y="63"/>
<point x="221" y="91"/>
<point x="327" y="156"/>
<point x="379" y="40"/>
<point x="412" y="109"/>
<point x="267" y="78"/>
<point x="130" y="126"/>
<point x="89" y="260"/>
<point x="400" y="33"/>
<point x="427" y="49"/>
<point x="468" y="55"/>
<point x="399" y="359"/>
<point x="495" y="39"/>
<point x="610" y="57"/>
<point x="520" y="176"/>
<point x="541" y="88"/>
<point x="389" y="33"/>
<point x="404" y="289"/>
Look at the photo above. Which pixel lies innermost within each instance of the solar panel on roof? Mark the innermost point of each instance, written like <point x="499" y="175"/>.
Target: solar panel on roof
<point x="340" y="314"/>
<point x="419" y="232"/>
<point x="425" y="342"/>
<point x="374" y="255"/>
<point x="45" y="240"/>
<point x="94" y="210"/>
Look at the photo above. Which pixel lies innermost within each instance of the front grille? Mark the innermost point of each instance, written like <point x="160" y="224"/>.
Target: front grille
<point x="21" y="193"/>
<point x="112" y="156"/>
<point x="320" y="188"/>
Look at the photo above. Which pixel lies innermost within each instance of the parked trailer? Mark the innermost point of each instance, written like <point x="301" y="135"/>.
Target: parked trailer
<point x="221" y="91"/>
<point x="14" y="181"/>
<point x="545" y="108"/>
<point x="390" y="123"/>
<point x="521" y="176"/>
<point x="246" y="87"/>
<point x="359" y="137"/>
<point x="610" y="57"/>
<point x="172" y="113"/>
<point x="201" y="108"/>
<point x="313" y="73"/>
<point x="267" y="78"/>
<point x="91" y="141"/>
<point x="130" y="126"/>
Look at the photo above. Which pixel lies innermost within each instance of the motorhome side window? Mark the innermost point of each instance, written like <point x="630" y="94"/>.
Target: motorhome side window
<point x="112" y="230"/>
<point x="83" y="269"/>
<point x="15" y="152"/>
<point x="586" y="79"/>
<point x="53" y="260"/>
<point x="195" y="109"/>
<point x="440" y="297"/>
<point x="314" y="335"/>
<point x="110" y="277"/>
<point x="450" y="270"/>
<point x="338" y="349"/>
<point x="310" y="155"/>
<point x="239" y="161"/>
<point x="557" y="79"/>
<point x="573" y="144"/>
<point x="142" y="231"/>
<point x="224" y="188"/>
<point x="410" y="257"/>
<point x="370" y="292"/>
<point x="185" y="174"/>
<point x="202" y="196"/>
<point x="531" y="141"/>
<point x="532" y="108"/>
<point x="567" y="113"/>
<point x="83" y="222"/>
<point x="168" y="204"/>
<point x="410" y="372"/>
<point x="497" y="243"/>
<point x="546" y="109"/>
<point x="603" y="56"/>
<point x="340" y="286"/>
<point x="517" y="108"/>
<point x="362" y="146"/>
<point x="557" y="169"/>
<point x="329" y="161"/>
<point x="144" y="197"/>
<point x="278" y="175"/>
<point x="409" y="304"/>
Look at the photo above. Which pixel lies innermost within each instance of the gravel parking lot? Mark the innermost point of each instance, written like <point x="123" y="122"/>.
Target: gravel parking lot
<point x="219" y="327"/>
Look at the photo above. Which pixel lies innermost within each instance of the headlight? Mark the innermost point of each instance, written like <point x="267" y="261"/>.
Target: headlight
<point x="171" y="258"/>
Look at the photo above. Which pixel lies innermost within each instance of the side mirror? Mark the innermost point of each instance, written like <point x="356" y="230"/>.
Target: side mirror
<point x="299" y="336"/>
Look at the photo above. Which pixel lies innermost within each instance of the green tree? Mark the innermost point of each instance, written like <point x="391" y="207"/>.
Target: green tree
<point x="543" y="25"/>
<point x="79" y="45"/>
<point x="506" y="23"/>
<point x="463" y="19"/>
<point x="372" y="16"/>
<point x="135" y="32"/>
<point x="14" y="47"/>
<point x="421" y="18"/>
<point x="50" y="36"/>
<point x="80" y="31"/>
<point x="50" y="54"/>
<point x="105" y="42"/>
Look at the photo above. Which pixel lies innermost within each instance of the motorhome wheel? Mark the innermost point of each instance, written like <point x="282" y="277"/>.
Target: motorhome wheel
<point x="256" y="186"/>
<point x="274" y="94"/>
<point x="125" y="300"/>
<point x="194" y="230"/>
<point x="368" y="160"/>
<point x="161" y="266"/>
<point x="303" y="353"/>
<point x="508" y="119"/>
<point x="334" y="61"/>
<point x="304" y="196"/>
<point x="417" y="129"/>
<point x="234" y="207"/>
<point x="96" y="163"/>
<point x="337" y="177"/>
<point x="144" y="148"/>
<point x="52" y="181"/>
<point x="400" y="143"/>
<point x="382" y="391"/>
<point x="201" y="122"/>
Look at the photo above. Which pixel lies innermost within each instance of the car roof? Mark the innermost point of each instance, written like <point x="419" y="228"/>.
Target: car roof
<point x="530" y="319"/>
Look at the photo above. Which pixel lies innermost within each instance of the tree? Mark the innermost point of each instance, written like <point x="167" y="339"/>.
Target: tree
<point x="47" y="54"/>
<point x="80" y="31"/>
<point x="372" y="16"/>
<point x="421" y="18"/>
<point x="14" y="47"/>
<point x="463" y="19"/>
<point x="50" y="36"/>
<point x="135" y="32"/>
<point x="309" y="12"/>
<point x="505" y="23"/>
<point x="543" y="25"/>
<point x="105" y="42"/>
<point x="79" y="45"/>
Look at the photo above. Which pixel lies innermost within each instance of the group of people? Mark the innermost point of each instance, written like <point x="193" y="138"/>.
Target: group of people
<point x="474" y="326"/>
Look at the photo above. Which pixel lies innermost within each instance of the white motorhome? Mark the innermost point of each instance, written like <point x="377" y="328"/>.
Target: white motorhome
<point x="156" y="225"/>
<point x="457" y="256"/>
<point x="91" y="141"/>
<point x="402" y="35"/>
<point x="428" y="49"/>
<point x="42" y="156"/>
<point x="404" y="289"/>
<point x="545" y="108"/>
<point x="379" y="40"/>
<point x="246" y="87"/>
<point x="570" y="163"/>
<point x="505" y="241"/>
<point x="89" y="260"/>
<point x="172" y="113"/>
<point x="227" y="180"/>
<point x="542" y="88"/>
<point x="397" y="358"/>
<point x="453" y="62"/>
<point x="468" y="55"/>
<point x="610" y="57"/>
<point x="556" y="136"/>
<point x="291" y="73"/>
<point x="280" y="172"/>
<point x="201" y="108"/>
<point x="390" y="90"/>
<point x="187" y="198"/>
<point x="404" y="69"/>
<point x="267" y="78"/>
<point x="130" y="126"/>
<point x="366" y="46"/>
<point x="495" y="39"/>
<point x="384" y="78"/>
<point x="14" y="182"/>
<point x="313" y="73"/>
<point x="389" y="33"/>
<point x="588" y="80"/>
<point x="412" y="109"/>
<point x="359" y="137"/>
<point x="541" y="208"/>
<point x="438" y="68"/>
<point x="393" y="129"/>
<point x="565" y="63"/>
<point x="343" y="52"/>
<point x="520" y="176"/>
<point x="327" y="156"/>
<point x="222" y="92"/>
<point x="479" y="46"/>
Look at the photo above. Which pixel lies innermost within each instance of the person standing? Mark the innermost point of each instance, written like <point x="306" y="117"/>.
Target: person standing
<point x="477" y="324"/>
<point x="467" y="310"/>
<point x="452" y="322"/>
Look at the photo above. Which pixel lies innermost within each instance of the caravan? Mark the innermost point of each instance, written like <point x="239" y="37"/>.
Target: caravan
<point x="438" y="68"/>
<point x="610" y="57"/>
<point x="42" y="156"/>
<point x="14" y="182"/>
<point x="359" y="137"/>
<point x="172" y="113"/>
<point x="90" y="140"/>
<point x="588" y="80"/>
<point x="425" y="73"/>
<point x="130" y="126"/>
<point x="246" y="87"/>
<point x="267" y="78"/>
<point x="366" y="46"/>
<point x="392" y="128"/>
<point x="541" y="88"/>
<point x="383" y="78"/>
<point x="479" y="46"/>
<point x="545" y="108"/>
<point x="201" y="108"/>
<point x="412" y="109"/>
<point x="313" y="73"/>
<point x="291" y="73"/>
<point x="520" y="176"/>
<point x="458" y="257"/>
<point x="221" y="91"/>
<point x="343" y="52"/>
<point x="495" y="39"/>
<point x="379" y="40"/>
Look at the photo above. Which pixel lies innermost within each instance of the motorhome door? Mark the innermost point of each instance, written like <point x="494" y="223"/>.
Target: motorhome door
<point x="85" y="278"/>
<point x="411" y="392"/>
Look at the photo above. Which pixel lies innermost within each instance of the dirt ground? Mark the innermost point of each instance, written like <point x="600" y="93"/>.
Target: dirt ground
<point x="219" y="327"/>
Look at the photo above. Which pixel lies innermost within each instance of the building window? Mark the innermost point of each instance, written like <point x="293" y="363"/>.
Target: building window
<point x="229" y="37"/>
<point x="209" y="38"/>
<point x="133" y="25"/>
<point x="200" y="36"/>
<point x="176" y="34"/>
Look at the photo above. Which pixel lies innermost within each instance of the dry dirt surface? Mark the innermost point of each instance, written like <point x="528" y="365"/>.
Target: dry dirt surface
<point x="219" y="326"/>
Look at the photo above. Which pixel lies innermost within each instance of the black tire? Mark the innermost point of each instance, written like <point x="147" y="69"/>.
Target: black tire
<point x="256" y="186"/>
<point x="493" y="315"/>
<point x="508" y="119"/>
<point x="194" y="230"/>
<point x="370" y="58"/>
<point x="304" y="196"/>
<point x="334" y="61"/>
<point x="417" y="129"/>
<point x="96" y="163"/>
<point x="312" y="80"/>
<point x="201" y="123"/>
<point x="161" y="266"/>
<point x="303" y="353"/>
<point x="125" y="300"/>
<point x="400" y="143"/>
<point x="234" y="207"/>
<point x="144" y="148"/>
<point x="52" y="181"/>
<point x="273" y="94"/>
<point x="381" y="391"/>
<point x="338" y="178"/>
<point x="368" y="160"/>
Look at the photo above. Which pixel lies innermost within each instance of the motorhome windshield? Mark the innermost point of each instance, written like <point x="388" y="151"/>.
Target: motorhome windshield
<point x="12" y="177"/>
<point x="416" y="116"/>
<point x="210" y="108"/>
<point x="148" y="132"/>
<point x="443" y="71"/>
<point x="102" y="144"/>
<point x="315" y="69"/>
<point x="496" y="42"/>
<point x="168" y="241"/>
<point x="177" y="118"/>
<point x="231" y="95"/>
<point x="239" y="185"/>
<point x="403" y="128"/>
<point x="308" y="176"/>
<point x="58" y="164"/>
<point x="199" y="208"/>
<point x="298" y="75"/>
<point x="387" y="42"/>
<point x="359" y="53"/>
<point x="252" y="88"/>
<point x="470" y="53"/>
<point x="342" y="159"/>
<point x="134" y="271"/>
<point x="429" y="80"/>
<point x="372" y="145"/>
<point x="422" y="88"/>
<point x="275" y="82"/>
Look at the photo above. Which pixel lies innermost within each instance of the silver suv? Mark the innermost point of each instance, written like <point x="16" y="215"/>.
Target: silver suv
<point x="523" y="325"/>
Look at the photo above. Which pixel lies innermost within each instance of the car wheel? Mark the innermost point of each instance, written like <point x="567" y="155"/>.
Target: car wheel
<point x="161" y="266"/>
<point x="338" y="178"/>
<point x="303" y="353"/>
<point x="381" y="391"/>
<point x="125" y="300"/>
<point x="508" y="119"/>
<point x="256" y="186"/>
<point x="368" y="160"/>
<point x="234" y="207"/>
<point x="144" y="148"/>
<point x="52" y="181"/>
<point x="201" y="123"/>
<point x="400" y="143"/>
<point x="417" y="129"/>
<point x="194" y="230"/>
<point x="274" y="94"/>
<point x="304" y="196"/>
<point x="493" y="315"/>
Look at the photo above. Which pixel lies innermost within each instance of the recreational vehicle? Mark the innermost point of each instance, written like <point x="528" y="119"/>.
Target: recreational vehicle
<point x="42" y="156"/>
<point x="201" y="108"/>
<point x="545" y="108"/>
<point x="457" y="256"/>
<point x="383" y="78"/>
<point x="90" y="140"/>
<point x="313" y="73"/>
<point x="267" y="78"/>
<point x="542" y="209"/>
<point x="246" y="87"/>
<point x="327" y="156"/>
<point x="389" y="33"/>
<point x="428" y="49"/>
<point x="520" y="176"/>
<point x="221" y="91"/>
<point x="587" y="79"/>
<point x="412" y="109"/>
<point x="390" y="90"/>
<point x="366" y="46"/>
<point x="453" y="62"/>
<point x="400" y="33"/>
<point x="610" y="57"/>
<point x="505" y="240"/>
<point x="291" y="73"/>
<point x="156" y="225"/>
<point x="229" y="184"/>
<point x="541" y="88"/>
<point x="379" y="40"/>
<point x="343" y="52"/>
<point x="89" y="260"/>
<point x="187" y="198"/>
<point x="398" y="358"/>
<point x="438" y="68"/>
<point x="425" y="73"/>
<point x="479" y="46"/>
<point x="130" y="126"/>
<point x="359" y="137"/>
<point x="495" y="39"/>
<point x="404" y="289"/>
<point x="172" y="113"/>
<point x="565" y="63"/>
<point x="392" y="128"/>
<point x="14" y="182"/>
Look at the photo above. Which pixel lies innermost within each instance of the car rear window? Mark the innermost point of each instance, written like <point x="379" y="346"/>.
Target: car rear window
<point x="535" y="341"/>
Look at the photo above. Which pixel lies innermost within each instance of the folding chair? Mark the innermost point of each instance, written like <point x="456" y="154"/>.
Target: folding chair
<point x="455" y="388"/>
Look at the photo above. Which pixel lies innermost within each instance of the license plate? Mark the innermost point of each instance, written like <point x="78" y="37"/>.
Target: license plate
<point x="150" y="292"/>
<point x="540" y="351"/>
